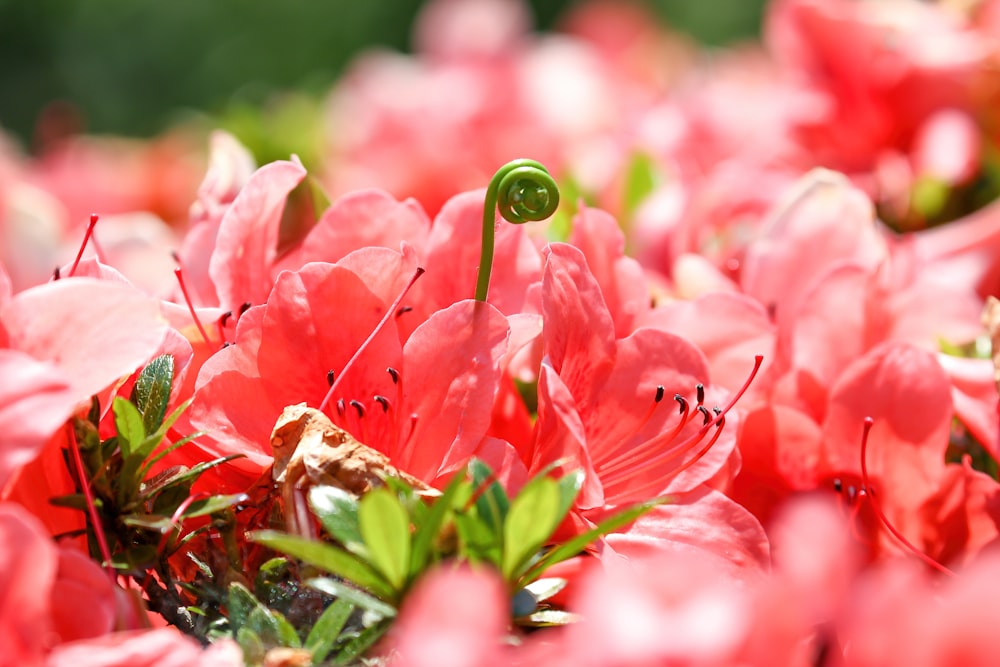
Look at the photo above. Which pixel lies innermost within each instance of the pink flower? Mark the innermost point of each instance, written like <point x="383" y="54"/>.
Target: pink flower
<point x="61" y="343"/>
<point x="429" y="413"/>
<point x="452" y="618"/>
<point x="46" y="590"/>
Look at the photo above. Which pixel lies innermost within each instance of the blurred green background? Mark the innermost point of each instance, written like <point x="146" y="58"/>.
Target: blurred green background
<point x="134" y="67"/>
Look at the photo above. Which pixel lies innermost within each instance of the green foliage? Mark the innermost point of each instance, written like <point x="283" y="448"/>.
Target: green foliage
<point x="142" y="514"/>
<point x="385" y="541"/>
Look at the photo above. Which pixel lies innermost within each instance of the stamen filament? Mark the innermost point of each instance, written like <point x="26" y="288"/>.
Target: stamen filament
<point x="95" y="518"/>
<point x="869" y="492"/>
<point x="378" y="327"/>
<point x="187" y="299"/>
<point x="86" y="238"/>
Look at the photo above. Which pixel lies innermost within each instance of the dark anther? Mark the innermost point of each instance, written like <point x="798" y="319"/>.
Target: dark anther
<point x="717" y="410"/>
<point x="245" y="307"/>
<point x="838" y="486"/>
<point x="383" y="401"/>
<point x="225" y="345"/>
<point x="706" y="413"/>
<point x="175" y="256"/>
<point x="701" y="393"/>
<point x="659" y="393"/>
<point x="56" y="274"/>
<point x="340" y="406"/>
<point x="357" y="406"/>
<point x="683" y="401"/>
<point x="225" y="318"/>
<point x="330" y="377"/>
<point x="403" y="310"/>
<point x="394" y="374"/>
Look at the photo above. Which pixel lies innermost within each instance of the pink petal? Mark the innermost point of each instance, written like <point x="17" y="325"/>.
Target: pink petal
<point x="621" y="278"/>
<point x="35" y="400"/>
<point x="729" y="329"/>
<point x="578" y="332"/>
<point x="164" y="647"/>
<point x="246" y="245"/>
<point x="452" y="618"/>
<point x="94" y="331"/>
<point x="28" y="563"/>
<point x="906" y="392"/>
<point x="450" y="377"/>
<point x="362" y="219"/>
<point x="827" y="222"/>
<point x="704" y="523"/>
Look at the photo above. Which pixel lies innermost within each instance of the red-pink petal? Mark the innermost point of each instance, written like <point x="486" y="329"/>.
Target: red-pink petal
<point x="94" y="331"/>
<point x="246" y="245"/>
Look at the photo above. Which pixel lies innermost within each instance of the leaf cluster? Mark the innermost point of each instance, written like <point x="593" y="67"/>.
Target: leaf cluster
<point x="380" y="544"/>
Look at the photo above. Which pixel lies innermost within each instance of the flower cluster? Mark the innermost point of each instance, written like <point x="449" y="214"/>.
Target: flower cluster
<point x="729" y="399"/>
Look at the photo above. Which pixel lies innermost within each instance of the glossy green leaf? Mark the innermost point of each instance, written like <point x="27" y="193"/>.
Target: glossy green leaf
<point x="492" y="503"/>
<point x="272" y="627"/>
<point x="213" y="504"/>
<point x="428" y="526"/>
<point x="128" y="423"/>
<point x="180" y="475"/>
<point x="385" y="527"/>
<point x="477" y="543"/>
<point x="239" y="603"/>
<point x="353" y="649"/>
<point x="569" y="488"/>
<point x="577" y="544"/>
<point x="327" y="628"/>
<point x="330" y="559"/>
<point x="359" y="598"/>
<point x="151" y="392"/>
<point x="533" y="516"/>
<point x="337" y="510"/>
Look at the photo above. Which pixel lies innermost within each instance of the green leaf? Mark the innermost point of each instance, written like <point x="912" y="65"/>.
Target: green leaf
<point x="160" y="524"/>
<point x="128" y="422"/>
<point x="272" y="627"/>
<point x="356" y="597"/>
<point x="353" y="649"/>
<point x="326" y="630"/>
<point x="429" y="525"/>
<point x="569" y="488"/>
<point x="180" y="475"/>
<point x="533" y="516"/>
<point x="641" y="179"/>
<point x="575" y="545"/>
<point x="329" y="558"/>
<point x="385" y="527"/>
<point x="337" y="510"/>
<point x="239" y="603"/>
<point x="151" y="461"/>
<point x="213" y="504"/>
<point x="477" y="542"/>
<point x="151" y="392"/>
<point x="492" y="503"/>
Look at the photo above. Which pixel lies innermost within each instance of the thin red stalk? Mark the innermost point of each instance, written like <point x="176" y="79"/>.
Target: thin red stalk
<point x="638" y="455"/>
<point x="878" y="510"/>
<point x="390" y="312"/>
<point x="187" y="298"/>
<point x="86" y="239"/>
<point x="95" y="518"/>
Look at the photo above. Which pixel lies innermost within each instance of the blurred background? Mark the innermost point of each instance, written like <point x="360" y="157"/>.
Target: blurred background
<point x="136" y="67"/>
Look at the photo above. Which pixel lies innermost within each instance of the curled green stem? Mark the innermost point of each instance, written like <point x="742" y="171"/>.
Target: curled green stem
<point x="523" y="190"/>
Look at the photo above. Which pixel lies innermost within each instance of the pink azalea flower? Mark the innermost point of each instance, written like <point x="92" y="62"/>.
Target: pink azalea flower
<point x="452" y="618"/>
<point x="62" y="343"/>
<point x="429" y="413"/>
<point x="165" y="647"/>
<point x="45" y="590"/>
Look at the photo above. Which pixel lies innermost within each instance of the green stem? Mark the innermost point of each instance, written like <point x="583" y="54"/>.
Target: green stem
<point x="523" y="190"/>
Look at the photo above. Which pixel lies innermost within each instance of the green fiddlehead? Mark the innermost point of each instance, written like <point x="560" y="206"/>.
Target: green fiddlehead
<point x="523" y="190"/>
